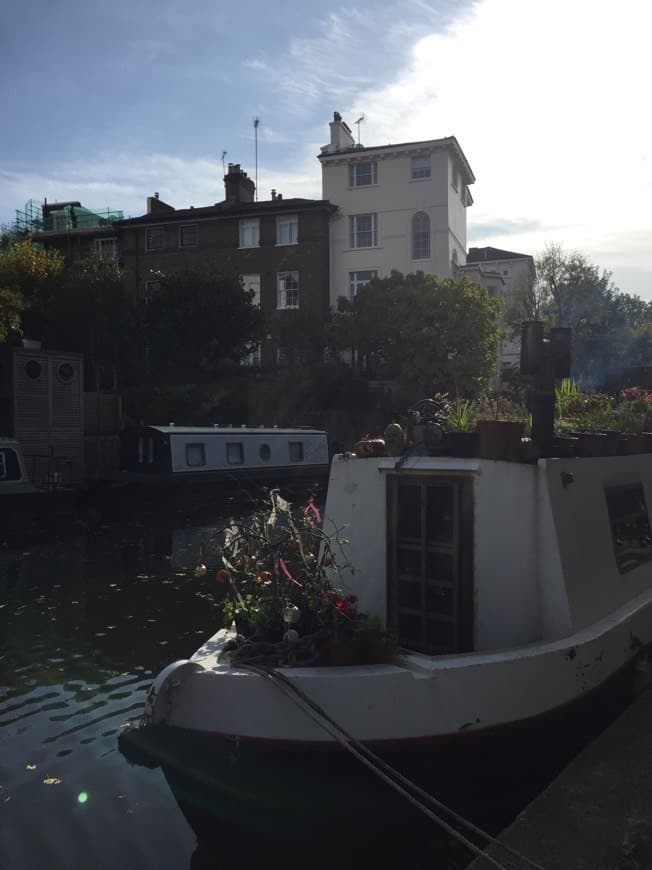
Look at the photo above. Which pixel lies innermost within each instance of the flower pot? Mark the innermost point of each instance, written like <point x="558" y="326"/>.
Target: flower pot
<point x="463" y="444"/>
<point x="565" y="446"/>
<point x="499" y="439"/>
<point x="629" y="444"/>
<point x="592" y="443"/>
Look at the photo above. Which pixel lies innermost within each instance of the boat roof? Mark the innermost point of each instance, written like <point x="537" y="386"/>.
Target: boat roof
<point x="232" y="429"/>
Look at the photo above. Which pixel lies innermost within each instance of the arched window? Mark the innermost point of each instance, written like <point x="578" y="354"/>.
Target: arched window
<point x="420" y="236"/>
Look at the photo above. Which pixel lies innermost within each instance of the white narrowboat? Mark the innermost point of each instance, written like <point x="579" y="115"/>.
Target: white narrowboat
<point x="169" y="454"/>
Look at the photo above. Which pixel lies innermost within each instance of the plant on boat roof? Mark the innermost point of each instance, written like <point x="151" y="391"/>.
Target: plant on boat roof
<point x="461" y="416"/>
<point x="284" y="588"/>
<point x="497" y="406"/>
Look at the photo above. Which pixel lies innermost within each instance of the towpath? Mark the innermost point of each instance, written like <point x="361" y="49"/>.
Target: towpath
<point x="597" y="815"/>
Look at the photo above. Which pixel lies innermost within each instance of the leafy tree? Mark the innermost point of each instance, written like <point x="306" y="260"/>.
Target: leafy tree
<point x="571" y="291"/>
<point x="428" y="332"/>
<point x="198" y="320"/>
<point x="91" y="313"/>
<point x="27" y="276"/>
<point x="302" y="335"/>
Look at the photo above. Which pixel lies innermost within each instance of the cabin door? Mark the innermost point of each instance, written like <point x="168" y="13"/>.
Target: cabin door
<point x="430" y="562"/>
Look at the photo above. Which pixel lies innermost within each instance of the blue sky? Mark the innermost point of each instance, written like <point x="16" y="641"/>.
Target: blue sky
<point x="109" y="102"/>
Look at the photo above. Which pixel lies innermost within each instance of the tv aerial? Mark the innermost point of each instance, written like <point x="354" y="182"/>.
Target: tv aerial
<point x="360" y="120"/>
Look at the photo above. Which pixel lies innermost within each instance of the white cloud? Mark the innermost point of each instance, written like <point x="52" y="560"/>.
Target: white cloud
<point x="548" y="103"/>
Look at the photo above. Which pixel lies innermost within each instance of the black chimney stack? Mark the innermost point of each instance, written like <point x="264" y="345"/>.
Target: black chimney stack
<point x="544" y="361"/>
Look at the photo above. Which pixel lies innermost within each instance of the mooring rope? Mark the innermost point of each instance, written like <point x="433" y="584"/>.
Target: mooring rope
<point x="394" y="778"/>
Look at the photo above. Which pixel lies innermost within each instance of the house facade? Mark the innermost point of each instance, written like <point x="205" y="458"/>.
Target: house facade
<point x="400" y="207"/>
<point x="506" y="275"/>
<point x="278" y="248"/>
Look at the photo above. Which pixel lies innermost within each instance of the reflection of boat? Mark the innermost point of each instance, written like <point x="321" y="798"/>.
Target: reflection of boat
<point x="521" y="615"/>
<point x="194" y="455"/>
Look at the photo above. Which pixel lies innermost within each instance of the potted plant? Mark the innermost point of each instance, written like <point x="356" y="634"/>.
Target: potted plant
<point x="501" y="426"/>
<point x="462" y="439"/>
<point x="281" y="589"/>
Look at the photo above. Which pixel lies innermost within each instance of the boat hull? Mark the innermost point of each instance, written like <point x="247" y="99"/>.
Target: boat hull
<point x="277" y="790"/>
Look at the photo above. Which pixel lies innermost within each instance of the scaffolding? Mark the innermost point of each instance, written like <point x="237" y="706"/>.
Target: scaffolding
<point x="58" y="217"/>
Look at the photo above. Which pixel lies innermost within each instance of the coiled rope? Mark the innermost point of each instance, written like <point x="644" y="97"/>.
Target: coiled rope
<point x="394" y="778"/>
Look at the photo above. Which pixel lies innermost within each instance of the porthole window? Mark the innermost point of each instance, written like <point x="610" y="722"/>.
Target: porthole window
<point x="65" y="372"/>
<point x="265" y="452"/>
<point x="33" y="369"/>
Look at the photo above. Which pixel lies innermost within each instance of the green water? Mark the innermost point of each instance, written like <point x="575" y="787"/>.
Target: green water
<point x="86" y="619"/>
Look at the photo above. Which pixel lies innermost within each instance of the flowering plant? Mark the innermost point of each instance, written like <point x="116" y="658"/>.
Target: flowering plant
<point x="283" y="586"/>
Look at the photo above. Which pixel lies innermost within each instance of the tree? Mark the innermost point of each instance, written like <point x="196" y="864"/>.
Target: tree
<point x="27" y="276"/>
<point x="428" y="332"/>
<point x="571" y="291"/>
<point x="198" y="320"/>
<point x="91" y="313"/>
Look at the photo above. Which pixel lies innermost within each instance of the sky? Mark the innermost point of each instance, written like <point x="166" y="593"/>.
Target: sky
<point x="107" y="103"/>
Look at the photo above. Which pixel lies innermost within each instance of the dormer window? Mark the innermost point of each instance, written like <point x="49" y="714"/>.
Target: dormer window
<point x="363" y="174"/>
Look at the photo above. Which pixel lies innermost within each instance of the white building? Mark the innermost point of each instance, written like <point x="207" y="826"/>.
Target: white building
<point x="400" y="207"/>
<point x="505" y="275"/>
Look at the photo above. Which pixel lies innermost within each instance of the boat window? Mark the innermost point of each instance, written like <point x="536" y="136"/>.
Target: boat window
<point x="150" y="450"/>
<point x="296" y="451"/>
<point x="630" y="526"/>
<point x="265" y="452"/>
<point x="33" y="369"/>
<point x="9" y="465"/>
<point x="140" y="448"/>
<point x="234" y="453"/>
<point x="195" y="455"/>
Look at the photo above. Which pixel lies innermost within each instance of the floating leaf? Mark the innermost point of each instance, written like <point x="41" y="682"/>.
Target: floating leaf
<point x="51" y="780"/>
<point x="100" y="634"/>
<point x="30" y="767"/>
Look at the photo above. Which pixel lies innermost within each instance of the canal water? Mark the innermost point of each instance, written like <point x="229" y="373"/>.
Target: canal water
<point x="89" y="614"/>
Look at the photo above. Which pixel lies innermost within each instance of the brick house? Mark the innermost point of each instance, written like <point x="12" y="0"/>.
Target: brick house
<point x="278" y="247"/>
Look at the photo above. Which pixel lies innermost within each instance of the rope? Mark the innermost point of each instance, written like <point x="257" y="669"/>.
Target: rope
<point x="394" y="778"/>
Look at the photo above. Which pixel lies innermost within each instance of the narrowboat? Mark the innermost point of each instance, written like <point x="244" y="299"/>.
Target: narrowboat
<point x="206" y="454"/>
<point x="520" y="595"/>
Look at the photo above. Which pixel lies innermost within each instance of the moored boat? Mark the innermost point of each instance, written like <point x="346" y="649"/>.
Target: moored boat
<point x="520" y="598"/>
<point x="179" y="455"/>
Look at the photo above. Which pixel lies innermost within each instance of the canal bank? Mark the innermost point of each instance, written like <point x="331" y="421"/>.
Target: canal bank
<point x="596" y="814"/>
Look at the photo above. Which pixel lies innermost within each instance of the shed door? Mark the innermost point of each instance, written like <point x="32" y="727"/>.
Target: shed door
<point x="430" y="563"/>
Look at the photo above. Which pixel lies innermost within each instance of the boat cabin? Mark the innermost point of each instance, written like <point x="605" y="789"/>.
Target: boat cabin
<point x="223" y="451"/>
<point x="459" y="555"/>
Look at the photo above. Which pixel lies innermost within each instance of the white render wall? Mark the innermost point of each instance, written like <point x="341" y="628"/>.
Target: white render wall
<point x="395" y="198"/>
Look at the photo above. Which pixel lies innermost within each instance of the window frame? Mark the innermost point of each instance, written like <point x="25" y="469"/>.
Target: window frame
<point x="230" y="445"/>
<point x="243" y="224"/>
<point x="418" y="235"/>
<point x="99" y="244"/>
<point x="415" y="172"/>
<point x="151" y="289"/>
<point x="355" y="232"/>
<point x="200" y="447"/>
<point x="291" y="220"/>
<point x="281" y="293"/>
<point x="355" y="284"/>
<point x="249" y="284"/>
<point x="186" y="227"/>
<point x="354" y="173"/>
<point x="149" y="232"/>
